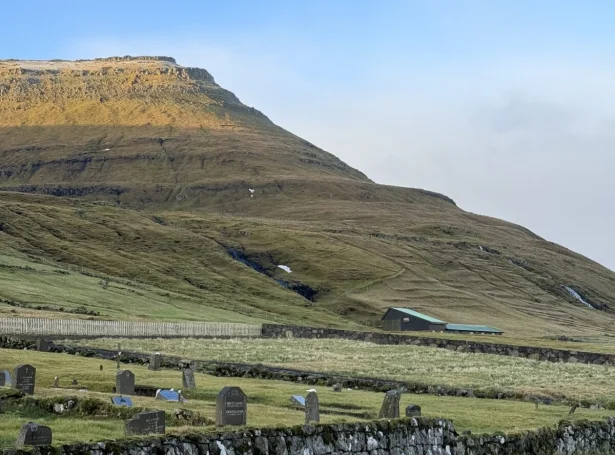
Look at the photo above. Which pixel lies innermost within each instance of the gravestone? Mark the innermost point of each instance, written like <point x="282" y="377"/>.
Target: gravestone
<point x="32" y="434"/>
<point x="42" y="345"/>
<point x="413" y="410"/>
<point x="298" y="400"/>
<point x="390" y="405"/>
<point x="125" y="382"/>
<point x="56" y="382"/>
<point x="231" y="407"/>
<point x="188" y="381"/>
<point x="154" y="362"/>
<point x="75" y="382"/>
<point x="167" y="395"/>
<point x="122" y="401"/>
<point x="312" y="408"/>
<point x="337" y="387"/>
<point x="145" y="423"/>
<point x="5" y="378"/>
<point x="25" y="379"/>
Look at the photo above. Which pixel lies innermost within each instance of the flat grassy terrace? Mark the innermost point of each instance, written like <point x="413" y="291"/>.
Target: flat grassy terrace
<point x="268" y="401"/>
<point x="595" y="383"/>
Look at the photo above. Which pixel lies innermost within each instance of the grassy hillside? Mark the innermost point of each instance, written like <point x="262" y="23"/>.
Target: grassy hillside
<point x="150" y="173"/>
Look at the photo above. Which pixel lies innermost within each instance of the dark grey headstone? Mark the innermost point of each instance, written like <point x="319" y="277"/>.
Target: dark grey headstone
<point x="298" y="400"/>
<point x="32" y="434"/>
<point x="168" y="395"/>
<point x="154" y="362"/>
<point x="231" y="407"/>
<point x="413" y="410"/>
<point x="5" y="378"/>
<point x="42" y="345"/>
<point x="125" y="382"/>
<point x="188" y="381"/>
<point x="390" y="405"/>
<point x="146" y="423"/>
<point x="122" y="401"/>
<point x="24" y="379"/>
<point x="312" y="408"/>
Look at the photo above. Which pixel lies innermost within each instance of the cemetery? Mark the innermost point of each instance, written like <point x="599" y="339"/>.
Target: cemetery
<point x="137" y="400"/>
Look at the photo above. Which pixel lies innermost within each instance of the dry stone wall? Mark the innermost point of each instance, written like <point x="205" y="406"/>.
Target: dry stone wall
<point x="528" y="352"/>
<point x="329" y="379"/>
<point x="416" y="436"/>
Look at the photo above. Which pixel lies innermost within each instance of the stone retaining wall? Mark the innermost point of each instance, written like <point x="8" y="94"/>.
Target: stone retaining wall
<point x="529" y="352"/>
<point x="407" y="436"/>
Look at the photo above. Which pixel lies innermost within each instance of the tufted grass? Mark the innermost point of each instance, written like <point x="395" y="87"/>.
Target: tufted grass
<point x="595" y="383"/>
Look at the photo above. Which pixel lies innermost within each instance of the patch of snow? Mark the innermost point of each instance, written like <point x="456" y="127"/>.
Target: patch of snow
<point x="285" y="268"/>
<point x="106" y="150"/>
<point x="578" y="297"/>
<point x="481" y="248"/>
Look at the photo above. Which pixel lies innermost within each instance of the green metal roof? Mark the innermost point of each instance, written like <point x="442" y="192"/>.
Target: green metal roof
<point x="416" y="314"/>
<point x="472" y="328"/>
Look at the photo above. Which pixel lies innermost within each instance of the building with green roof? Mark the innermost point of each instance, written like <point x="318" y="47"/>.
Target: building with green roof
<point x="405" y="319"/>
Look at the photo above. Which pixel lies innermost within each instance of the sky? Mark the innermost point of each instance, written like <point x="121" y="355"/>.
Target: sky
<point x="508" y="107"/>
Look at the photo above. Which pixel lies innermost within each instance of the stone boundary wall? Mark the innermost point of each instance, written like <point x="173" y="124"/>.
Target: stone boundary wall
<point x="97" y="328"/>
<point x="417" y="436"/>
<point x="259" y="371"/>
<point x="529" y="352"/>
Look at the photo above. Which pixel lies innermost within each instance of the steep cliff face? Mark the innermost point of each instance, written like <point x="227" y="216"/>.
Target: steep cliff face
<point x="143" y="126"/>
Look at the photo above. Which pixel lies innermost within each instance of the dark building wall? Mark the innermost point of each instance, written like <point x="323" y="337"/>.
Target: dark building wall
<point x="395" y="320"/>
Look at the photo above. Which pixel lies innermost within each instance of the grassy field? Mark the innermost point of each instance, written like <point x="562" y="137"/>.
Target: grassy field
<point x="268" y="401"/>
<point x="407" y="363"/>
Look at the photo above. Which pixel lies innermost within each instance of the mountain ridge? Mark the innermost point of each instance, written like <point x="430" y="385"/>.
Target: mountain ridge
<point x="134" y="158"/>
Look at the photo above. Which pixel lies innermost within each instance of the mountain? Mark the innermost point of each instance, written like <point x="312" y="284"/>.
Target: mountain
<point x="150" y="175"/>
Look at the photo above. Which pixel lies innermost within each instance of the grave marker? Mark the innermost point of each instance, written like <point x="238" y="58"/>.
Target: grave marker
<point x="5" y="378"/>
<point x="42" y="345"/>
<point x="122" y="401"/>
<point x="231" y="407"/>
<point x="337" y="387"/>
<point x="56" y="382"/>
<point x="25" y="379"/>
<point x="168" y="395"/>
<point x="413" y="410"/>
<point x="390" y="405"/>
<point x="188" y="381"/>
<point x="145" y="423"/>
<point x="125" y="382"/>
<point x="32" y="434"/>
<point x="312" y="408"/>
<point x="154" y="362"/>
<point x="298" y="400"/>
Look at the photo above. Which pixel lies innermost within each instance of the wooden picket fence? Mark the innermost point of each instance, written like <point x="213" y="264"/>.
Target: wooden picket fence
<point x="82" y="327"/>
